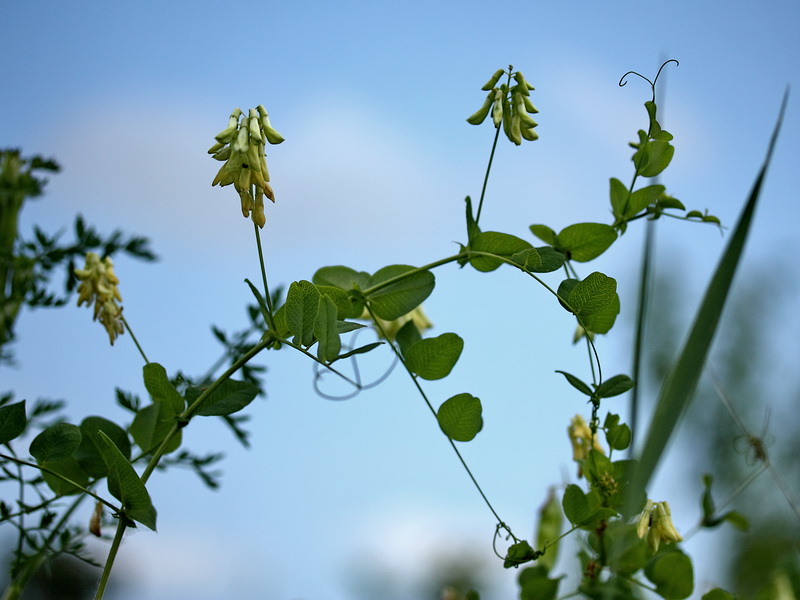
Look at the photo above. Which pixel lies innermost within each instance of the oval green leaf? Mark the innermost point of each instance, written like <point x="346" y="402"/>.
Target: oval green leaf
<point x="12" y="421"/>
<point x="89" y="454"/>
<point x="592" y="294"/>
<point x="502" y="244"/>
<point x="400" y="297"/>
<point x="434" y="358"/>
<point x="302" y="304"/>
<point x="460" y="417"/>
<point x="55" y="443"/>
<point x="586" y="241"/>
<point x="126" y="486"/>
<point x="228" y="398"/>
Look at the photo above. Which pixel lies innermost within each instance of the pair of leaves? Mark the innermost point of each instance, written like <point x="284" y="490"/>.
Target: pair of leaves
<point x="626" y="205"/>
<point x="96" y="449"/>
<point x="581" y="242"/>
<point x="510" y="247"/>
<point x="313" y="317"/>
<point x="613" y="386"/>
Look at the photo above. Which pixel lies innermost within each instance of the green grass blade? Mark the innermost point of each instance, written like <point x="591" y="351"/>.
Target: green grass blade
<point x="679" y="386"/>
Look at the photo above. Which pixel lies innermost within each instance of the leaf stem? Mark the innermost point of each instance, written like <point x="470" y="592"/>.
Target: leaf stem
<point x="133" y="337"/>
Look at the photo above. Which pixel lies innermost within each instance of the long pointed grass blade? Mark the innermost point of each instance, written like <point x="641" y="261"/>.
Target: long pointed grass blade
<point x="679" y="386"/>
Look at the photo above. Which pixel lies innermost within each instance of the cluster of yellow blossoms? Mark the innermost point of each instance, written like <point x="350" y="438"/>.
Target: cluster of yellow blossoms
<point x="655" y="523"/>
<point x="241" y="146"/>
<point x="580" y="435"/>
<point x="99" y="285"/>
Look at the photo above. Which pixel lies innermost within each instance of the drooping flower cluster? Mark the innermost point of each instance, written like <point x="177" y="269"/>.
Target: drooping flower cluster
<point x="580" y="435"/>
<point x="510" y="105"/>
<point x="99" y="285"/>
<point x="655" y="523"/>
<point x="241" y="146"/>
<point x="390" y="328"/>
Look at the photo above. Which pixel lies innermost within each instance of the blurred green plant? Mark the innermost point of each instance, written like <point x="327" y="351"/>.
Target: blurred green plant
<point x="630" y="542"/>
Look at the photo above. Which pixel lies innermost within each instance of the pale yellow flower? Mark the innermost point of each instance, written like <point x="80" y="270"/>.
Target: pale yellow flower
<point x="656" y="526"/>
<point x="99" y="286"/>
<point x="582" y="440"/>
<point x="241" y="146"/>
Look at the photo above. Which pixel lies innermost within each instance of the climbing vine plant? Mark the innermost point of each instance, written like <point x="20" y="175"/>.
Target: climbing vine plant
<point x="631" y="542"/>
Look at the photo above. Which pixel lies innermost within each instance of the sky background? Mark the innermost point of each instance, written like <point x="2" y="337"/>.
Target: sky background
<point x="372" y="100"/>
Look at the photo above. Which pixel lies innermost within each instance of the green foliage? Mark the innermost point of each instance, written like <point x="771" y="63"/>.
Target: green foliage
<point x="672" y="573"/>
<point x="396" y="290"/>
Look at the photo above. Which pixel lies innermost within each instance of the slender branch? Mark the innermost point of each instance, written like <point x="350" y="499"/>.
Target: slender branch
<point x="267" y="297"/>
<point x="433" y="412"/>
<point x="89" y="492"/>
<point x="488" y="170"/>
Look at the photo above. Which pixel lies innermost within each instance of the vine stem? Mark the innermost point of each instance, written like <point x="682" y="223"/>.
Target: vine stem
<point x="433" y="412"/>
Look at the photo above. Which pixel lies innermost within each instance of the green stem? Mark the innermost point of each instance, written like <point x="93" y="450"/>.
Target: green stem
<point x="267" y="297"/>
<point x="135" y="341"/>
<point x="402" y="276"/>
<point x="112" y="554"/>
<point x="488" y="170"/>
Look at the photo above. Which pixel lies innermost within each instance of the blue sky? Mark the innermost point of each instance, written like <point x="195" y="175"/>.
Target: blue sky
<point x="372" y="100"/>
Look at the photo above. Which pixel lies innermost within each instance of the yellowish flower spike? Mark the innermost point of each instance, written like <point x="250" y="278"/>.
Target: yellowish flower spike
<point x="655" y="525"/>
<point x="390" y="328"/>
<point x="99" y="286"/>
<point x="510" y="106"/>
<point x="582" y="440"/>
<point x="241" y="146"/>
